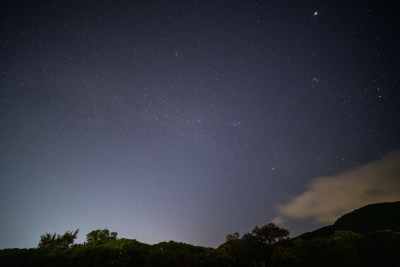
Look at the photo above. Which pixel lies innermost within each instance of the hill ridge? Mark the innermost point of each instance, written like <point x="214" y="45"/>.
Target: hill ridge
<point x="372" y="217"/>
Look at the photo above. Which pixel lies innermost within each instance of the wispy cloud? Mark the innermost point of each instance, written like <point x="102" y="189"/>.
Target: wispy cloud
<point x="330" y="197"/>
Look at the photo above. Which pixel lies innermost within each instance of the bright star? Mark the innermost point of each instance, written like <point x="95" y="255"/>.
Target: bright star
<point x="315" y="13"/>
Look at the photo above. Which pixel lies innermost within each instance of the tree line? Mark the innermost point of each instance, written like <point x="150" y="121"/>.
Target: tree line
<point x="268" y="245"/>
<point x="53" y="242"/>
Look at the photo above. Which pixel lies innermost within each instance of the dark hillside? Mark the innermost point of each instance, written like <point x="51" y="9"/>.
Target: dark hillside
<point x="374" y="217"/>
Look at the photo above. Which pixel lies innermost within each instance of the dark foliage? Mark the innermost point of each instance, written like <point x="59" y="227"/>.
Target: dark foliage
<point x="264" y="246"/>
<point x="270" y="234"/>
<point x="101" y="236"/>
<point x="54" y="243"/>
<point x="379" y="248"/>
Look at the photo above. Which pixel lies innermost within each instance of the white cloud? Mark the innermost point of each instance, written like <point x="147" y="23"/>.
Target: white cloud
<point x="328" y="198"/>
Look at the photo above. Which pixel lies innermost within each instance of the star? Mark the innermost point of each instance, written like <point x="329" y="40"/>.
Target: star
<point x="187" y="109"/>
<point x="315" y="80"/>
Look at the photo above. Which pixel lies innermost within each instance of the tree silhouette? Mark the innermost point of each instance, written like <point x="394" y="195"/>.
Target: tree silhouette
<point x="270" y="234"/>
<point x="233" y="236"/>
<point x="101" y="236"/>
<point x="56" y="242"/>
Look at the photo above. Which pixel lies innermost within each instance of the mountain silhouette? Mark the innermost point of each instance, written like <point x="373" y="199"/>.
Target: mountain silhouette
<point x="373" y="217"/>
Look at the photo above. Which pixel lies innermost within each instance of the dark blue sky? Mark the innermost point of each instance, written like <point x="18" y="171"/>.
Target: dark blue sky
<point x="187" y="120"/>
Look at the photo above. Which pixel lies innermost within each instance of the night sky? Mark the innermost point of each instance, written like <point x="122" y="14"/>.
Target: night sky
<point x="190" y="120"/>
